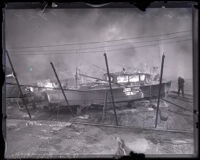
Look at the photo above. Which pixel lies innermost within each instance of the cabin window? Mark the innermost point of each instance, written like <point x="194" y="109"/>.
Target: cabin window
<point x="130" y="91"/>
<point x="148" y="79"/>
<point x="111" y="78"/>
<point x="134" y="78"/>
<point x="122" y="79"/>
<point x="142" y="77"/>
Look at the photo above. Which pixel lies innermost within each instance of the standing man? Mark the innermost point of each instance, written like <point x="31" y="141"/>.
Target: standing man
<point x="181" y="86"/>
<point x="124" y="70"/>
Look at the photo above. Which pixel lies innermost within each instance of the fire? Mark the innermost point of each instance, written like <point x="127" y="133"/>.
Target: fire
<point x="31" y="89"/>
<point x="130" y="91"/>
<point x="122" y="79"/>
<point x="134" y="78"/>
<point x="47" y="83"/>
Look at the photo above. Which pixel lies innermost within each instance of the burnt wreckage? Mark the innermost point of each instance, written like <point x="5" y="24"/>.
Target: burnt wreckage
<point x="126" y="87"/>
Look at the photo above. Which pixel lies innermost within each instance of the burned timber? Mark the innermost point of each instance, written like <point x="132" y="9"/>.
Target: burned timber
<point x="127" y="87"/>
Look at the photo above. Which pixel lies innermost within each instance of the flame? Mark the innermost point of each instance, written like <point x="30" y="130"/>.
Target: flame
<point x="31" y="89"/>
<point x="134" y="78"/>
<point x="122" y="79"/>
<point x="47" y="84"/>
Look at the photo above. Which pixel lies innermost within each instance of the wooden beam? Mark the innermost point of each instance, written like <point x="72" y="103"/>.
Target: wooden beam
<point x="160" y="86"/>
<point x="61" y="87"/>
<point x="20" y="90"/>
<point x="76" y="77"/>
<point x="105" y="105"/>
<point x="111" y="92"/>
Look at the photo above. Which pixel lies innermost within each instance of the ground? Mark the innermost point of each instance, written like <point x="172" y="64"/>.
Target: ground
<point x="58" y="134"/>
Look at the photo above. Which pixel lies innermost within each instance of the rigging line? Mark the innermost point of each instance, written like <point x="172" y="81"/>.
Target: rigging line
<point x="83" y="43"/>
<point x="53" y="88"/>
<point x="103" y="46"/>
<point x="102" y="69"/>
<point x="48" y="54"/>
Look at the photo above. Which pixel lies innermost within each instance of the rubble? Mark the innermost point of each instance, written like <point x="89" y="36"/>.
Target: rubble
<point x="84" y="117"/>
<point x="150" y="109"/>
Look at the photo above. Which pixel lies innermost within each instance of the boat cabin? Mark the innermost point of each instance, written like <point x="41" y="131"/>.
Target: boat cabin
<point x="126" y="78"/>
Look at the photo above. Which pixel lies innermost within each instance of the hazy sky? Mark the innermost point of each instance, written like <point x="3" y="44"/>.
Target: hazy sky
<point x="63" y="35"/>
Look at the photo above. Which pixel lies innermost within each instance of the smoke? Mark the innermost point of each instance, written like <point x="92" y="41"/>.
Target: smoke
<point x="66" y="26"/>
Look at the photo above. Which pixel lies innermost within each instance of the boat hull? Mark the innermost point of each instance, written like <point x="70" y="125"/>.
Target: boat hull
<point x="98" y="96"/>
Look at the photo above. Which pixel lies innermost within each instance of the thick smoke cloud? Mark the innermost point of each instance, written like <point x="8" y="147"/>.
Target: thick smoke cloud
<point x="26" y="28"/>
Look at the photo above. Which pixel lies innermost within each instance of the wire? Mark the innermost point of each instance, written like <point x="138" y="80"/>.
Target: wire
<point x="83" y="43"/>
<point x="106" y="46"/>
<point x="47" y="54"/>
<point x="26" y="85"/>
<point x="102" y="69"/>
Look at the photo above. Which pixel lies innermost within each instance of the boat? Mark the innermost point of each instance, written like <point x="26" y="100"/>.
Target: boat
<point x="126" y="87"/>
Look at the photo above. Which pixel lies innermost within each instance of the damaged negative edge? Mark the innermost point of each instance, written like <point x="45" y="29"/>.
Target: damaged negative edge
<point x="109" y="4"/>
<point x="195" y="31"/>
<point x="195" y="82"/>
<point x="3" y="111"/>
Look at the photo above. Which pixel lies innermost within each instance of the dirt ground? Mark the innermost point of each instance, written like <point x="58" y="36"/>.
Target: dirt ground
<point x="50" y="134"/>
<point x="50" y="138"/>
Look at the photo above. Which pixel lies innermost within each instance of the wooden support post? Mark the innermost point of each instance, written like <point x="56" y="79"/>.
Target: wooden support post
<point x="105" y="105"/>
<point x="160" y="86"/>
<point x="21" y="93"/>
<point x="111" y="89"/>
<point x="150" y="94"/>
<point x="61" y="87"/>
<point x="76" y="78"/>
